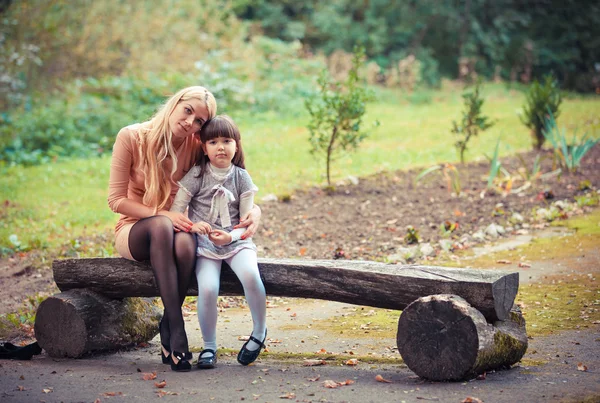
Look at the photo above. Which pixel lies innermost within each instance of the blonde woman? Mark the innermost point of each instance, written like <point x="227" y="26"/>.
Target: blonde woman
<point x="148" y="160"/>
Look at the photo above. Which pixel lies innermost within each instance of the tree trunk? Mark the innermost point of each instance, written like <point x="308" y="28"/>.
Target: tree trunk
<point x="443" y="338"/>
<point x="355" y="282"/>
<point x="76" y="322"/>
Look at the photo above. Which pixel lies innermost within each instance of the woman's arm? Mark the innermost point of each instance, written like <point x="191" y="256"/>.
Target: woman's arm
<point x="120" y="168"/>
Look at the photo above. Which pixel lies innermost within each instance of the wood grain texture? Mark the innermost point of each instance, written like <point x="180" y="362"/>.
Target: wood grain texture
<point x="76" y="322"/>
<point x="442" y="338"/>
<point x="355" y="282"/>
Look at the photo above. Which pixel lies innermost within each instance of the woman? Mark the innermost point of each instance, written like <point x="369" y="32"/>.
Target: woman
<point x="148" y="161"/>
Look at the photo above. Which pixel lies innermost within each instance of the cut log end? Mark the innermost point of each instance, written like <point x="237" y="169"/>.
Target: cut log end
<point x="443" y="338"/>
<point x="77" y="322"/>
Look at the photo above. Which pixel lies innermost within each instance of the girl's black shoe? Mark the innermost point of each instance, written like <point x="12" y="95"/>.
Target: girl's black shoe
<point x="245" y="356"/>
<point x="207" y="362"/>
<point x="183" y="361"/>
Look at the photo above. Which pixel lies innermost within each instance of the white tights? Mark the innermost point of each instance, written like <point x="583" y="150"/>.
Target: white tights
<point x="208" y="274"/>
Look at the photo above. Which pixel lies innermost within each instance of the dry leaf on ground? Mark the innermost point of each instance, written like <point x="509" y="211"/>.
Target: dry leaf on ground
<point x="289" y="395"/>
<point x="160" y="384"/>
<point x="581" y="367"/>
<point x="471" y="399"/>
<point x="380" y="378"/>
<point x="149" y="376"/>
<point x="312" y="363"/>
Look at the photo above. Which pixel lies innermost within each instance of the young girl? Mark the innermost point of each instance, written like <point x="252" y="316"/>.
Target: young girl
<point x="219" y="191"/>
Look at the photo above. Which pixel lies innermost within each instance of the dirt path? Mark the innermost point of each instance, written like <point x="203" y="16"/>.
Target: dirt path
<point x="549" y="371"/>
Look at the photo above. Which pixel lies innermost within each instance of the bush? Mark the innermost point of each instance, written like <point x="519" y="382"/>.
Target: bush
<point x="539" y="100"/>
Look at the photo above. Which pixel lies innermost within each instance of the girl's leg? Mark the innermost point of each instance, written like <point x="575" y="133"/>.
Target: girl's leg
<point x="185" y="259"/>
<point x="245" y="266"/>
<point x="208" y="274"/>
<point x="153" y="239"/>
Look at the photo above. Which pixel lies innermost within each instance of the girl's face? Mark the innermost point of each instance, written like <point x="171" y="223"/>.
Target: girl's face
<point x="187" y="118"/>
<point x="220" y="151"/>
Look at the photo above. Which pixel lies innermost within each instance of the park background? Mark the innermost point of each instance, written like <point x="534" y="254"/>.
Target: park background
<point x="73" y="73"/>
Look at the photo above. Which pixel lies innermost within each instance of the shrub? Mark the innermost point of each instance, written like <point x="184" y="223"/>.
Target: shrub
<point x="336" y="114"/>
<point x="473" y="121"/>
<point x="539" y="100"/>
<point x="569" y="155"/>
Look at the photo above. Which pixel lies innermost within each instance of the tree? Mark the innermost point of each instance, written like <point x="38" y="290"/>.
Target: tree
<point x="473" y="121"/>
<point x="336" y="113"/>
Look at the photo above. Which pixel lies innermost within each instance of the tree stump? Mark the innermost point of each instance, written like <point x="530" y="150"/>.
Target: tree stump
<point x="76" y="322"/>
<point x="442" y="338"/>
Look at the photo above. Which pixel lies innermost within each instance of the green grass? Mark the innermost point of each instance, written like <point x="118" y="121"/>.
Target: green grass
<point x="53" y="205"/>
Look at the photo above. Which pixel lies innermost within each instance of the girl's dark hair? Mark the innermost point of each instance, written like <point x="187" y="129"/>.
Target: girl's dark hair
<point x="221" y="126"/>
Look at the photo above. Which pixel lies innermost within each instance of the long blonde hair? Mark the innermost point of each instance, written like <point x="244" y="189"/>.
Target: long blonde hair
<point x="156" y="145"/>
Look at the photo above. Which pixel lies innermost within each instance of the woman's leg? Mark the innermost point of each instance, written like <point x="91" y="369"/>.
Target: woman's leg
<point x="185" y="260"/>
<point x="245" y="266"/>
<point x="153" y="239"/>
<point x="208" y="274"/>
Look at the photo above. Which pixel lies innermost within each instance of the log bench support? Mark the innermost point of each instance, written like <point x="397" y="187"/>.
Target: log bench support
<point x="456" y="323"/>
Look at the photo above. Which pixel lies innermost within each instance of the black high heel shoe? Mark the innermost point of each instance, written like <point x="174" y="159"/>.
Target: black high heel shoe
<point x="183" y="361"/>
<point x="165" y="352"/>
<point x="245" y="356"/>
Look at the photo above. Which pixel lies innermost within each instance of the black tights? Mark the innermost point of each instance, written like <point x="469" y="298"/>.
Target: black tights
<point x="172" y="257"/>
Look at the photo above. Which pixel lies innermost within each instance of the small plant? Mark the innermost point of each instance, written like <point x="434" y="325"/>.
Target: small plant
<point x="448" y="227"/>
<point x="336" y="113"/>
<point x="539" y="100"/>
<point x="590" y="199"/>
<point x="531" y="175"/>
<point x="449" y="173"/>
<point x="412" y="235"/>
<point x="473" y="121"/>
<point x="569" y="155"/>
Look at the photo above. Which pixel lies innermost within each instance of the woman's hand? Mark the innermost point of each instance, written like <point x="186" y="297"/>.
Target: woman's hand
<point x="250" y="222"/>
<point x="219" y="237"/>
<point x="202" y="228"/>
<point x="180" y="221"/>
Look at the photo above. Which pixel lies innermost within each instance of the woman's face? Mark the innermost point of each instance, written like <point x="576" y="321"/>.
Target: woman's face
<point x="187" y="118"/>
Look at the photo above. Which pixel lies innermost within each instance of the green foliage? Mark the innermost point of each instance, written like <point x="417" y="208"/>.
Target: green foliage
<point x="495" y="165"/>
<point x="336" y="114"/>
<point x="412" y="235"/>
<point x="569" y="155"/>
<point x="449" y="173"/>
<point x="473" y="121"/>
<point x="541" y="99"/>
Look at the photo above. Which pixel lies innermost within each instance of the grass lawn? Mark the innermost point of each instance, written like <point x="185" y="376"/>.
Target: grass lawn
<point x="53" y="205"/>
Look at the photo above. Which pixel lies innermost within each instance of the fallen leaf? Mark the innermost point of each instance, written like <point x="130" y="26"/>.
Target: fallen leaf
<point x="321" y="351"/>
<point x="148" y="376"/>
<point x="581" y="367"/>
<point x="346" y="382"/>
<point x="312" y="363"/>
<point x="524" y="265"/>
<point x="302" y="251"/>
<point x="330" y="384"/>
<point x="481" y="377"/>
<point x="293" y="315"/>
<point x="315" y="379"/>
<point x="112" y="393"/>
<point x="289" y="395"/>
<point x="352" y="361"/>
<point x="380" y="378"/>
<point x="20" y="388"/>
<point x="160" y="384"/>
<point x="503" y="261"/>
<point x="470" y="399"/>
<point x="48" y="390"/>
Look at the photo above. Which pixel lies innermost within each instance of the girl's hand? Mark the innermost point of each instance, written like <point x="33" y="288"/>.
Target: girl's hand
<point x="180" y="221"/>
<point x="202" y="228"/>
<point x="250" y="222"/>
<point x="219" y="237"/>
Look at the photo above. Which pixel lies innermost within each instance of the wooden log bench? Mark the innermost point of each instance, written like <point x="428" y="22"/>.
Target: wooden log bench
<point x="455" y="323"/>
